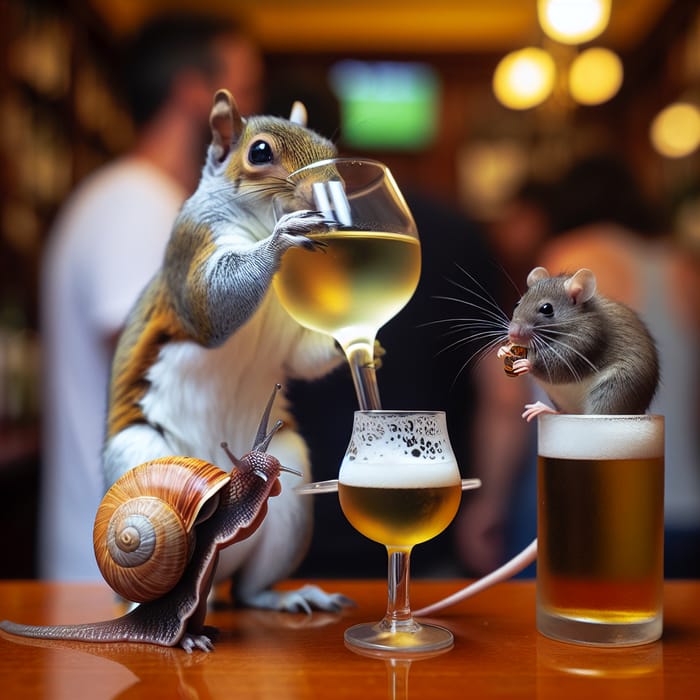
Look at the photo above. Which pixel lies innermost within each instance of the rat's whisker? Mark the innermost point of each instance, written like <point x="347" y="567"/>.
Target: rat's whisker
<point x="498" y="318"/>
<point x="488" y="302"/>
<point x="554" y="335"/>
<point x="465" y="340"/>
<point x="475" y="358"/>
<point x="487" y="297"/>
<point x="564" y="360"/>
<point x="571" y="348"/>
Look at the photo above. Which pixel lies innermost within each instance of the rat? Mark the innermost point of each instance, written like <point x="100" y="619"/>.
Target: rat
<point x="208" y="337"/>
<point x="591" y="355"/>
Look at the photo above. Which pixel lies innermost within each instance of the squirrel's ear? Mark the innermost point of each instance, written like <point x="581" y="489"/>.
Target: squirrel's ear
<point x="226" y="124"/>
<point x="580" y="286"/>
<point x="299" y="115"/>
<point x="537" y="274"/>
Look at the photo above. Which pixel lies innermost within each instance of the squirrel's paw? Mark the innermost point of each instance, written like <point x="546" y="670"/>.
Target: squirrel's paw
<point x="293" y="229"/>
<point x="379" y="353"/>
<point x="304" y="599"/>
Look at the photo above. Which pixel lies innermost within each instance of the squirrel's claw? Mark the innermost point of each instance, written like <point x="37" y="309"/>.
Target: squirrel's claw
<point x="293" y="230"/>
<point x="304" y="599"/>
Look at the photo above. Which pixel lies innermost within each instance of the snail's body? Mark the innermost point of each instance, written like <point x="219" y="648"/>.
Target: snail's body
<point x="178" y="616"/>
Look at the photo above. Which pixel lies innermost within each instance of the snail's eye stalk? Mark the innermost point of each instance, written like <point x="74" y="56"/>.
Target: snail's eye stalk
<point x="262" y="439"/>
<point x="234" y="460"/>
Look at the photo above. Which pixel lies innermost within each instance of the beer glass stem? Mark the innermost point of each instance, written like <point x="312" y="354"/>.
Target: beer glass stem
<point x="398" y="616"/>
<point x="364" y="375"/>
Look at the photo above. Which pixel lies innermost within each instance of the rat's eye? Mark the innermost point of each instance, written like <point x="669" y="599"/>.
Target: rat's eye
<point x="547" y="309"/>
<point x="260" y="153"/>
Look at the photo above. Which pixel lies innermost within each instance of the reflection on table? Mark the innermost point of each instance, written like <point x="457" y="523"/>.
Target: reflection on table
<point x="261" y="654"/>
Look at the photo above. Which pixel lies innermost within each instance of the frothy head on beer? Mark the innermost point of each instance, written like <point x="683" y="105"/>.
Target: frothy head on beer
<point x="600" y="437"/>
<point x="406" y="449"/>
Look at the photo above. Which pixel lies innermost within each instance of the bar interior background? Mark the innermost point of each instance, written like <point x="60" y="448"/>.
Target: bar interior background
<point x="58" y="121"/>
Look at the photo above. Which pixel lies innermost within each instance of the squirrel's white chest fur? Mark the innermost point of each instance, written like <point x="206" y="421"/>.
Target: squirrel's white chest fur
<point x="200" y="397"/>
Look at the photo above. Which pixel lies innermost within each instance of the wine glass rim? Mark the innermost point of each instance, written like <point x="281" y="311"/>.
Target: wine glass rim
<point x="398" y="412"/>
<point x="338" y="160"/>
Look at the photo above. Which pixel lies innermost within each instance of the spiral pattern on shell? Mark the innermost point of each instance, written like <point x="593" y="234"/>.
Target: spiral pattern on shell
<point x="144" y="528"/>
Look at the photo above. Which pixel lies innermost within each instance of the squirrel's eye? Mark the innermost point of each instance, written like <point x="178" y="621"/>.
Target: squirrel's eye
<point x="546" y="309"/>
<point x="260" y="153"/>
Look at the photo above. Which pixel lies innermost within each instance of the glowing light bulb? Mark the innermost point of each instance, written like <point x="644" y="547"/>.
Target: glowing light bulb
<point x="675" y="131"/>
<point x="595" y="76"/>
<point x="573" y="21"/>
<point x="524" y="78"/>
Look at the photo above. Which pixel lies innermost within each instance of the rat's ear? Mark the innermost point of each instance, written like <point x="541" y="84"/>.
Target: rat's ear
<point x="539" y="273"/>
<point x="226" y="125"/>
<point x="299" y="115"/>
<point x="580" y="286"/>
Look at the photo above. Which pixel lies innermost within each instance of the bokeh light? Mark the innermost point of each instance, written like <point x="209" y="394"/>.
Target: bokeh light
<point x="675" y="131"/>
<point x="573" y="21"/>
<point x="524" y="78"/>
<point x="595" y="76"/>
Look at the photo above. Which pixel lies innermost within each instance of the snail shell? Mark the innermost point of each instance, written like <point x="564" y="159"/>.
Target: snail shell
<point x="144" y="528"/>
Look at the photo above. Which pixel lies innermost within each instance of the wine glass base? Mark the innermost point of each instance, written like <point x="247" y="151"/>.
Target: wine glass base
<point x="378" y="637"/>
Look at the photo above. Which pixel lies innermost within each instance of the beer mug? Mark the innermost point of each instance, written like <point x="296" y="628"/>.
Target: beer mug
<point x="600" y="522"/>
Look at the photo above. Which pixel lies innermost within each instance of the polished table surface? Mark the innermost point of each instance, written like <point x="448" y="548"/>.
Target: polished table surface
<point x="497" y="654"/>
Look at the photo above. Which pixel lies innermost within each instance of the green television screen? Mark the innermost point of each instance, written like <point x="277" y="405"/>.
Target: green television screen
<point x="386" y="104"/>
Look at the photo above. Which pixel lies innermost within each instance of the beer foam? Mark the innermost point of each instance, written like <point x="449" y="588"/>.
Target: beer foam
<point x="401" y="449"/>
<point x="387" y="473"/>
<point x="600" y="437"/>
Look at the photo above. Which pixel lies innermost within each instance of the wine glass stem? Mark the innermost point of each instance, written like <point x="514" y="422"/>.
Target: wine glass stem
<point x="364" y="375"/>
<point x="398" y="612"/>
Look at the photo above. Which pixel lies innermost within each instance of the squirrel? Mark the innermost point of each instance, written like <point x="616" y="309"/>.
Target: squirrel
<point x="208" y="337"/>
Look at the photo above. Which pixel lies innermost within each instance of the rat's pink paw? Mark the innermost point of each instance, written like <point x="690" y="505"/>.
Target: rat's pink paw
<point x="532" y="410"/>
<point x="522" y="366"/>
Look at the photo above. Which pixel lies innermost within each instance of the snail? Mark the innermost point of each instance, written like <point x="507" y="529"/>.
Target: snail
<point x="157" y="535"/>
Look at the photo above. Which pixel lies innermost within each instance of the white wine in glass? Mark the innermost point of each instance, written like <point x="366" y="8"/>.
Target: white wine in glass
<point x="369" y="264"/>
<point x="399" y="485"/>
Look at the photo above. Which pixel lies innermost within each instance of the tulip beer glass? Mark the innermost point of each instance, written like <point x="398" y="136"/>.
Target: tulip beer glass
<point x="600" y="527"/>
<point x="399" y="485"/>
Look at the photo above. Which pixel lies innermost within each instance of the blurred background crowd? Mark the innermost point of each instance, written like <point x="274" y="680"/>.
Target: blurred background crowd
<point x="517" y="142"/>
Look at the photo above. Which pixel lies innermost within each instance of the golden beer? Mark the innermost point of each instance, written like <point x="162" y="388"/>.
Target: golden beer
<point x="600" y="524"/>
<point x="401" y="517"/>
<point x="600" y="529"/>
<point x="360" y="279"/>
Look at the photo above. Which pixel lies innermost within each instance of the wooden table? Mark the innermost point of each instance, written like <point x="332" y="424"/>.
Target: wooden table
<point x="497" y="654"/>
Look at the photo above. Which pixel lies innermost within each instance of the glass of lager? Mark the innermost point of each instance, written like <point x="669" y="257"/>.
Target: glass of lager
<point x="399" y="485"/>
<point x="368" y="264"/>
<point x="600" y="526"/>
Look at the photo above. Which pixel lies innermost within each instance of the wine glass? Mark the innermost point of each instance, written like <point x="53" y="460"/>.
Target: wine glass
<point x="368" y="269"/>
<point x="399" y="485"/>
